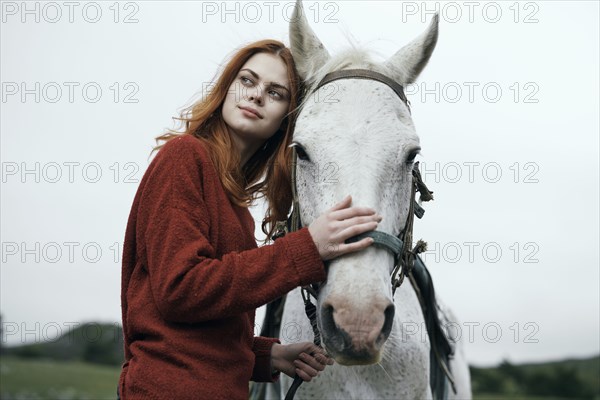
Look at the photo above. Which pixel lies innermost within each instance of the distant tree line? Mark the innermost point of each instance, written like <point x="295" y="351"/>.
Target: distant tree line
<point x="90" y="342"/>
<point x="573" y="380"/>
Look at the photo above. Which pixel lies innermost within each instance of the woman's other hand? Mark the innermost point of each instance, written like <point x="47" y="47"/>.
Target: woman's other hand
<point x="304" y="358"/>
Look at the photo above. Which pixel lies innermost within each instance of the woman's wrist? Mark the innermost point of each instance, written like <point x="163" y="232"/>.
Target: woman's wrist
<point x="275" y="359"/>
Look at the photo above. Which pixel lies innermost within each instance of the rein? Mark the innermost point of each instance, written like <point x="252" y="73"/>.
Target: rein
<point x="399" y="246"/>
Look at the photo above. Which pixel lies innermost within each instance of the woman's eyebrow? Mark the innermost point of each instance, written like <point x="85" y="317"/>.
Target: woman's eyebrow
<point x="273" y="84"/>
<point x="279" y="86"/>
<point x="254" y="74"/>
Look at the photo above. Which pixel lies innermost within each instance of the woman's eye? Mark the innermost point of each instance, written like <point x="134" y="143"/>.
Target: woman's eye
<point x="246" y="81"/>
<point x="275" y="94"/>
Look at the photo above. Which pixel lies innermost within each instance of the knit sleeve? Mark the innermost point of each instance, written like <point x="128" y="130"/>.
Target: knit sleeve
<point x="263" y="371"/>
<point x="189" y="284"/>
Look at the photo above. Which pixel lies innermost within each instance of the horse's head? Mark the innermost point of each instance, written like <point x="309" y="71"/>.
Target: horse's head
<point x="356" y="137"/>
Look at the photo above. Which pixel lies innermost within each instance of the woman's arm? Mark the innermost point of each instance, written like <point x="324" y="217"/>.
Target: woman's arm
<point x="189" y="283"/>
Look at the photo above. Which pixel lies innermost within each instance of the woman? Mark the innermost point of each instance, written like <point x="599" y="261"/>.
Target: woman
<point x="192" y="274"/>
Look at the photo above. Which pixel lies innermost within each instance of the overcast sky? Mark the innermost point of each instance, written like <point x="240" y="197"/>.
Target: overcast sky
<point x="507" y="112"/>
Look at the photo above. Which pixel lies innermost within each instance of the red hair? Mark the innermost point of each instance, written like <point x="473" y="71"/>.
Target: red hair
<point x="204" y="120"/>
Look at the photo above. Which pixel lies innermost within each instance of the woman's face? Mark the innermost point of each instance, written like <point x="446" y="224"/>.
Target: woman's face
<point x="257" y="100"/>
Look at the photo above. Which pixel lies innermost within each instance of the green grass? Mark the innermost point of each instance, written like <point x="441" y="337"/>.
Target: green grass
<point x="515" y="397"/>
<point x="40" y="379"/>
<point x="587" y="369"/>
<point x="565" y="379"/>
<point x="33" y="379"/>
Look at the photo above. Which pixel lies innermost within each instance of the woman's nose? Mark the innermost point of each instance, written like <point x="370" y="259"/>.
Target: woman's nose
<point x="255" y="94"/>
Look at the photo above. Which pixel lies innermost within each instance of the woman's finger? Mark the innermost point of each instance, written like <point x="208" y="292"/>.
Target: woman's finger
<point x="323" y="359"/>
<point x="358" y="220"/>
<point x="313" y="349"/>
<point x="346" y="213"/>
<point x="305" y="377"/>
<point x="354" y="230"/>
<point x="311" y="361"/>
<point x="319" y="354"/>
<point x="306" y="368"/>
<point x="345" y="202"/>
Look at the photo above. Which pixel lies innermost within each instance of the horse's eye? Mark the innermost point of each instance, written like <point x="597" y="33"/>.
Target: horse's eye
<point x="301" y="152"/>
<point x="410" y="158"/>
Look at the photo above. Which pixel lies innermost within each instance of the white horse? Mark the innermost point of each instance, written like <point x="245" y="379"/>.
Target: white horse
<point x="358" y="138"/>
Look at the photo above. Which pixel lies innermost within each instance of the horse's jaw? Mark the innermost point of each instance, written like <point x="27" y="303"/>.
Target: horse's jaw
<point x="349" y="362"/>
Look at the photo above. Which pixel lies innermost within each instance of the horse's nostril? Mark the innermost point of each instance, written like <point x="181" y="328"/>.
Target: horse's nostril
<point x="389" y="320"/>
<point x="327" y="318"/>
<point x="335" y="337"/>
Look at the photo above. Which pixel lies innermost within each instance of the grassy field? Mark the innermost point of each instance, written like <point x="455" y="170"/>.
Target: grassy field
<point x="498" y="397"/>
<point x="40" y="379"/>
<point x="33" y="379"/>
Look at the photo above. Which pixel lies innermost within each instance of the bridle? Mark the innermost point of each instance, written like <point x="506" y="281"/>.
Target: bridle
<point x="399" y="246"/>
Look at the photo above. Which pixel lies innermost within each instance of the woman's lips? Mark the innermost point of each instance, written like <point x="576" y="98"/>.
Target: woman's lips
<point x="250" y="112"/>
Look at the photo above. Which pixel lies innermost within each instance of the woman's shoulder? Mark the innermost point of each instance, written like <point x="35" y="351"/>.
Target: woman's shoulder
<point x="184" y="154"/>
<point x="184" y="146"/>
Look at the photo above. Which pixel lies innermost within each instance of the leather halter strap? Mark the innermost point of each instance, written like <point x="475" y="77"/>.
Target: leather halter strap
<point x="365" y="74"/>
<point x="387" y="241"/>
<point x="400" y="246"/>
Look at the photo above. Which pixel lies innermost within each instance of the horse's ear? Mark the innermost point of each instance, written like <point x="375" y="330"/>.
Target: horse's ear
<point x="308" y="51"/>
<point x="409" y="61"/>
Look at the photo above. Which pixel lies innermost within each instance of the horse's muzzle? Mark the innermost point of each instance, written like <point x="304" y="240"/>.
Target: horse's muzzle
<point x="352" y="342"/>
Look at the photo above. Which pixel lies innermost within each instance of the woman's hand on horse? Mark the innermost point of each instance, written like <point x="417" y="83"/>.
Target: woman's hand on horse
<point x="304" y="359"/>
<point x="341" y="222"/>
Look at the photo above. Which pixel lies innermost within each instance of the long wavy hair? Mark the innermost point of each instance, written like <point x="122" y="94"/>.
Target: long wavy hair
<point x="204" y="120"/>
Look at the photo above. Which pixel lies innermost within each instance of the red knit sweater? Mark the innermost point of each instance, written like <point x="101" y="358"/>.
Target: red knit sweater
<point x="192" y="278"/>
